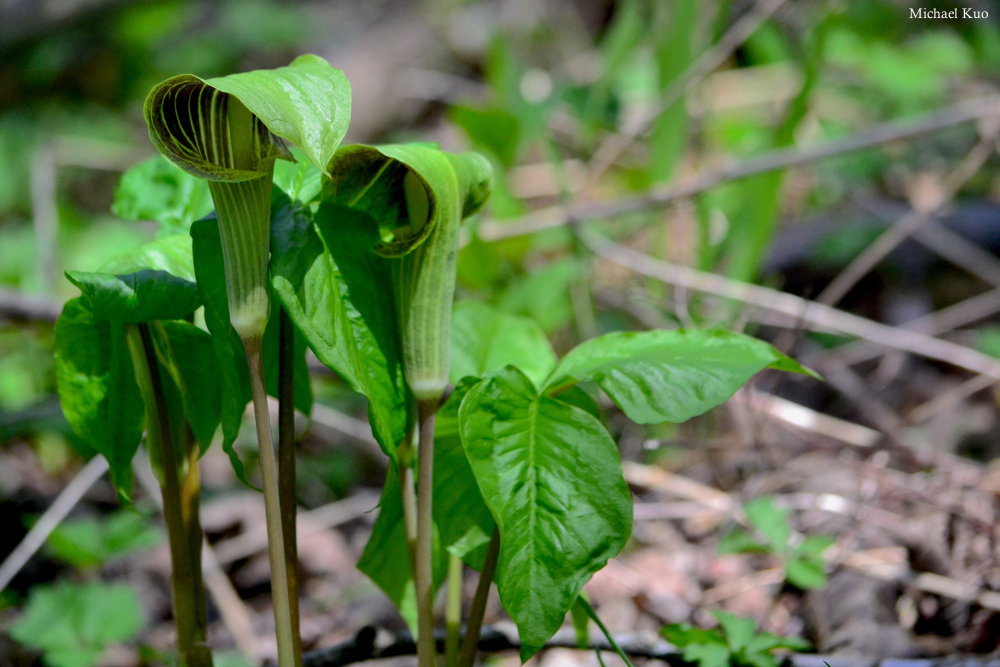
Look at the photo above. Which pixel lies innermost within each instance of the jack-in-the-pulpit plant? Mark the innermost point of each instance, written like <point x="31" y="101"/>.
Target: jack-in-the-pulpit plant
<point x="229" y="131"/>
<point x="500" y="457"/>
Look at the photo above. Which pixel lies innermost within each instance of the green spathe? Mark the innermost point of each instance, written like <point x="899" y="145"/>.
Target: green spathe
<point x="229" y="131"/>
<point x="417" y="195"/>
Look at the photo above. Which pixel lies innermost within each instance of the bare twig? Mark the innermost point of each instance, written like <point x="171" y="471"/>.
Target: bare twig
<point x="783" y="158"/>
<point x="53" y="516"/>
<point x="810" y="420"/>
<point x="889" y="240"/>
<point x="16" y="305"/>
<point x="810" y="314"/>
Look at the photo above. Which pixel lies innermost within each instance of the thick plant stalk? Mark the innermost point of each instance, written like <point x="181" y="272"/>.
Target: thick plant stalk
<point x="180" y="488"/>
<point x="286" y="462"/>
<point x="470" y="644"/>
<point x="424" y="565"/>
<point x="453" y="612"/>
<point x="281" y="592"/>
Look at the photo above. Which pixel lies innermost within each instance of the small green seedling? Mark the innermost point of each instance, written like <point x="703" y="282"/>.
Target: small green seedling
<point x="735" y="643"/>
<point x="803" y="560"/>
<point x="72" y="624"/>
<point x="88" y="543"/>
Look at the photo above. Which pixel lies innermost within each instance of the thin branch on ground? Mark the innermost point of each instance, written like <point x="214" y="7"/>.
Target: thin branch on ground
<point x="890" y="239"/>
<point x="784" y="158"/>
<point x="812" y="315"/>
<point x="18" y="306"/>
<point x="53" y="516"/>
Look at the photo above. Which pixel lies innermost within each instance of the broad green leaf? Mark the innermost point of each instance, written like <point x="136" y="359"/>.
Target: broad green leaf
<point x="229" y="354"/>
<point x="73" y="623"/>
<point x="97" y="388"/>
<point x="189" y="356"/>
<point x="307" y="103"/>
<point x="158" y="191"/>
<point x="551" y="475"/>
<point x="386" y="558"/>
<point x="170" y="253"/>
<point x="338" y="294"/>
<point x="770" y="520"/>
<point x="142" y="296"/>
<point x="462" y="517"/>
<point x="417" y="195"/>
<point x="484" y="340"/>
<point x="667" y="376"/>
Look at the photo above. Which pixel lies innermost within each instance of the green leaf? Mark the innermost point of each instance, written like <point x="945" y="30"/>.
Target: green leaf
<point x="97" y="388"/>
<point x="87" y="543"/>
<point x="338" y="294"/>
<point x="771" y="521"/>
<point x="73" y="623"/>
<point x="143" y="296"/>
<point x="386" y="558"/>
<point x="551" y="475"/>
<point x="484" y="340"/>
<point x="708" y="655"/>
<point x="543" y="296"/>
<point x="737" y="629"/>
<point x="300" y="180"/>
<point x="667" y="376"/>
<point x="307" y="103"/>
<point x="189" y="356"/>
<point x="765" y="641"/>
<point x="463" y="519"/>
<point x="805" y="573"/>
<point x="156" y="190"/>
<point x="170" y="253"/>
<point x="739" y="541"/>
<point x="815" y="545"/>
<point x="683" y="635"/>
<point x="491" y="129"/>
<point x="229" y="353"/>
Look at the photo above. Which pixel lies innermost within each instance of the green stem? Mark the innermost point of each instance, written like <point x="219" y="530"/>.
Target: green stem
<point x="286" y="462"/>
<point x="453" y="612"/>
<point x="424" y="570"/>
<point x="281" y="592"/>
<point x="180" y="504"/>
<point x="470" y="644"/>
